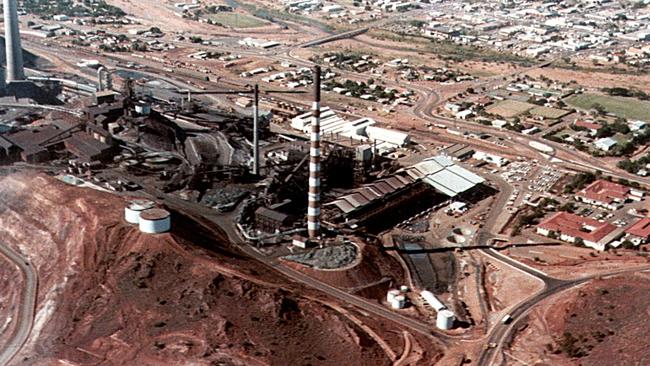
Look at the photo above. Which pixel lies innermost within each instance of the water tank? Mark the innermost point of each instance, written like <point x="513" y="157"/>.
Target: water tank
<point x="390" y="296"/>
<point x="155" y="221"/>
<point x="404" y="288"/>
<point x="445" y="319"/>
<point x="143" y="108"/>
<point x="134" y="208"/>
<point x="398" y="302"/>
<point x="432" y="300"/>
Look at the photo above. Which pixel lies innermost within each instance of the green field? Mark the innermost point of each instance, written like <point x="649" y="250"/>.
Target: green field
<point x="236" y="20"/>
<point x="629" y="108"/>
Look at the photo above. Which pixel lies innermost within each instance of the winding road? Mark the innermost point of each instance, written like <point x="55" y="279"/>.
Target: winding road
<point x="27" y="305"/>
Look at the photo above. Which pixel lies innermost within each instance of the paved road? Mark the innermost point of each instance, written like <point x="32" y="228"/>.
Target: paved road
<point x="27" y="306"/>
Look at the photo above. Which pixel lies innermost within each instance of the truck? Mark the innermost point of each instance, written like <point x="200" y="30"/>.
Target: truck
<point x="506" y="319"/>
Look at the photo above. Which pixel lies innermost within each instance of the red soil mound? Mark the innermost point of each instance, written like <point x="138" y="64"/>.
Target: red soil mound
<point x="109" y="295"/>
<point x="608" y="322"/>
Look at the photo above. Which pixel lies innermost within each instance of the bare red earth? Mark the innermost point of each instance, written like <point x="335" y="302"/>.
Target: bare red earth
<point x="109" y="295"/>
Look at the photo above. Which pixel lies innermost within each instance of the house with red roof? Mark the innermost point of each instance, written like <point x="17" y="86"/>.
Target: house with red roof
<point x="607" y="194"/>
<point x="569" y="227"/>
<point x="639" y="232"/>
<point x="592" y="127"/>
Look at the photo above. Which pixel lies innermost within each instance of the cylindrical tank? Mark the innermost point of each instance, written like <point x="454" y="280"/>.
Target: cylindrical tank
<point x="143" y="108"/>
<point x="404" y="288"/>
<point x="134" y="208"/>
<point x="390" y="296"/>
<point x="398" y="302"/>
<point x="445" y="319"/>
<point x="432" y="300"/>
<point x="155" y="221"/>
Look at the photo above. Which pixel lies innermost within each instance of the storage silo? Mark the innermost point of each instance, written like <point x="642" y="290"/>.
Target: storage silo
<point x="134" y="208"/>
<point x="390" y="296"/>
<point x="155" y="221"/>
<point x="398" y="302"/>
<point x="445" y="319"/>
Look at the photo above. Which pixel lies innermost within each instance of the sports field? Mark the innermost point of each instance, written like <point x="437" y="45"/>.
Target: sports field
<point x="236" y="20"/>
<point x="548" y="113"/>
<point x="629" y="108"/>
<point x="509" y="108"/>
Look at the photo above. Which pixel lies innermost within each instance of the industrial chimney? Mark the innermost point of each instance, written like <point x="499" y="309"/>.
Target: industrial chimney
<point x="14" y="50"/>
<point x="313" y="210"/>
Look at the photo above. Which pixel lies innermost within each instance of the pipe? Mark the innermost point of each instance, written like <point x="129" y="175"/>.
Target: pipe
<point x="13" y="48"/>
<point x="100" y="78"/>
<point x="313" y="209"/>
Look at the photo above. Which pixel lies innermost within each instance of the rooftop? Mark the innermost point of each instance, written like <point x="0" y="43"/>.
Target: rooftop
<point x="154" y="214"/>
<point x="641" y="228"/>
<point x="605" y="191"/>
<point x="577" y="226"/>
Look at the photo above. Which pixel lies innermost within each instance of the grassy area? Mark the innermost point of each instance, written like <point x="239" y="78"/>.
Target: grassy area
<point x="629" y="108"/>
<point x="236" y="20"/>
<point x="509" y="108"/>
<point x="550" y="113"/>
<point x="448" y="50"/>
<point x="278" y="16"/>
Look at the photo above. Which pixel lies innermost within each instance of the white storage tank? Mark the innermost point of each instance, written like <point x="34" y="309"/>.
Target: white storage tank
<point x="134" y="208"/>
<point x="390" y="296"/>
<point x="404" y="288"/>
<point x="445" y="319"/>
<point x="155" y="221"/>
<point x="398" y="302"/>
<point x="432" y="300"/>
<point x="143" y="108"/>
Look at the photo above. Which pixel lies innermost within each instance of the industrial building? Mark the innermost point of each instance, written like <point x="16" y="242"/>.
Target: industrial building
<point x="335" y="128"/>
<point x="437" y="178"/>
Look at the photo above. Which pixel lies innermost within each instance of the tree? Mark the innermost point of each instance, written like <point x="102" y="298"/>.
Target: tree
<point x="579" y="242"/>
<point x="626" y="244"/>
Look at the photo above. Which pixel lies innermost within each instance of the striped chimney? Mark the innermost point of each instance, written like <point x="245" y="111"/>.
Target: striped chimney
<point x="313" y="209"/>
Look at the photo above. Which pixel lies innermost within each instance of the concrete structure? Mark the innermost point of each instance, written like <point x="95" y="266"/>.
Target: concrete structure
<point x="570" y="227"/>
<point x="134" y="208"/>
<point x="155" y="221"/>
<point x="13" y="48"/>
<point x="313" y="209"/>
<point x="445" y="319"/>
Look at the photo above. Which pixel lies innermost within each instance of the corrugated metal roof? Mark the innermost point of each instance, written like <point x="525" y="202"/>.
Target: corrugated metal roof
<point x="394" y="182"/>
<point x="383" y="187"/>
<point x="343" y="205"/>
<point x="466" y="174"/>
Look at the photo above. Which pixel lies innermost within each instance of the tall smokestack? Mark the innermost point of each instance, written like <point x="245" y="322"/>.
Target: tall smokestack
<point x="256" y="138"/>
<point x="14" y="51"/>
<point x="313" y="210"/>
